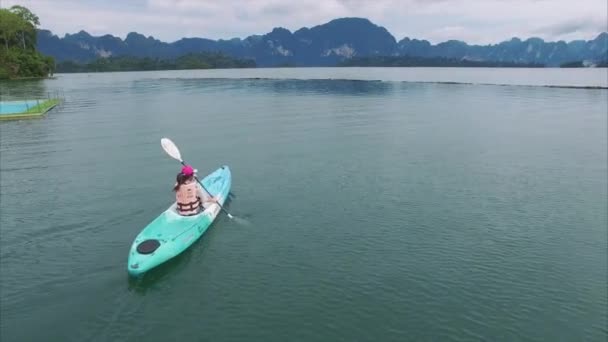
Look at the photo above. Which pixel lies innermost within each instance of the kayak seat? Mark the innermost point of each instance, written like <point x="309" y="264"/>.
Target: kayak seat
<point x="148" y="246"/>
<point x="175" y="210"/>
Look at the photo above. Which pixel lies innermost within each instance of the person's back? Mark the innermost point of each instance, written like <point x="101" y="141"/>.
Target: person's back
<point x="188" y="199"/>
<point x="189" y="196"/>
<point x="187" y="193"/>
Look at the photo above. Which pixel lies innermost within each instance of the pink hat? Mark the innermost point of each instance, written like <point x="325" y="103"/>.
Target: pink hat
<point x="187" y="170"/>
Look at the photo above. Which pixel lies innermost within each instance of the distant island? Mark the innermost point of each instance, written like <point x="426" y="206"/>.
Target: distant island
<point x="18" y="55"/>
<point x="409" y="61"/>
<point x="204" y="60"/>
<point x="585" y="64"/>
<point x="343" y="41"/>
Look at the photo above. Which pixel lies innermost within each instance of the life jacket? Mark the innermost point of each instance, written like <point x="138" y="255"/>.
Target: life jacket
<point x="188" y="202"/>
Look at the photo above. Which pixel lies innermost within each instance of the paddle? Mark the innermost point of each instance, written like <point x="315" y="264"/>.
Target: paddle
<point x="173" y="152"/>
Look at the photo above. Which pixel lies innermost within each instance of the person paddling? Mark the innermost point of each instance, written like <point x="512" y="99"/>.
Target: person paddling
<point x="188" y="194"/>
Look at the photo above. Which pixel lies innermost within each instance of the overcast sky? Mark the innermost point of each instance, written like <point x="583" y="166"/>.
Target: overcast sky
<point x="474" y="21"/>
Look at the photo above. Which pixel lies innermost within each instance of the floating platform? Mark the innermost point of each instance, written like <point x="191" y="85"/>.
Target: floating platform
<point x="12" y="110"/>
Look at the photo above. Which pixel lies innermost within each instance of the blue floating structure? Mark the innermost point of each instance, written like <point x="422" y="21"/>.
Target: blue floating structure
<point x="11" y="110"/>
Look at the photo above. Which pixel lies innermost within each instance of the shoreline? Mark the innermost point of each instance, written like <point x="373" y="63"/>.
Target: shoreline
<point x="323" y="67"/>
<point x="29" y="78"/>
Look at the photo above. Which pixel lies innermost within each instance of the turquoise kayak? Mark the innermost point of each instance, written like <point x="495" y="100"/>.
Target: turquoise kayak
<point x="171" y="233"/>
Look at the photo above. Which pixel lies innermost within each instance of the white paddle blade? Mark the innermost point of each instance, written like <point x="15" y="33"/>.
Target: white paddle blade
<point x="171" y="149"/>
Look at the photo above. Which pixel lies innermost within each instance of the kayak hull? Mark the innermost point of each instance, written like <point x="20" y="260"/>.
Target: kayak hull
<point x="169" y="234"/>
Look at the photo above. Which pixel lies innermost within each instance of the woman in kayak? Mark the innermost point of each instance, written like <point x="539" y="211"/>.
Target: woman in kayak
<point x="188" y="194"/>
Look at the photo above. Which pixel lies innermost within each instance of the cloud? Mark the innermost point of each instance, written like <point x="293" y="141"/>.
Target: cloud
<point x="573" y="27"/>
<point x="475" y="21"/>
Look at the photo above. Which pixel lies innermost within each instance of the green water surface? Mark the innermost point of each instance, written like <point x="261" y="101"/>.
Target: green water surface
<point x="378" y="210"/>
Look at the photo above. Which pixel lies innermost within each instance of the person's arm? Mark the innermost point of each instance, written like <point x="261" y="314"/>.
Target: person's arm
<point x="205" y="197"/>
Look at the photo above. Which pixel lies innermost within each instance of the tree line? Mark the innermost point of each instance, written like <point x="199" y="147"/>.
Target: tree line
<point x="18" y="55"/>
<point x="204" y="60"/>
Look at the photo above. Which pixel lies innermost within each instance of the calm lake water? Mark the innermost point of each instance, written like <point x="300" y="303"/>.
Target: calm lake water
<point x="379" y="208"/>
